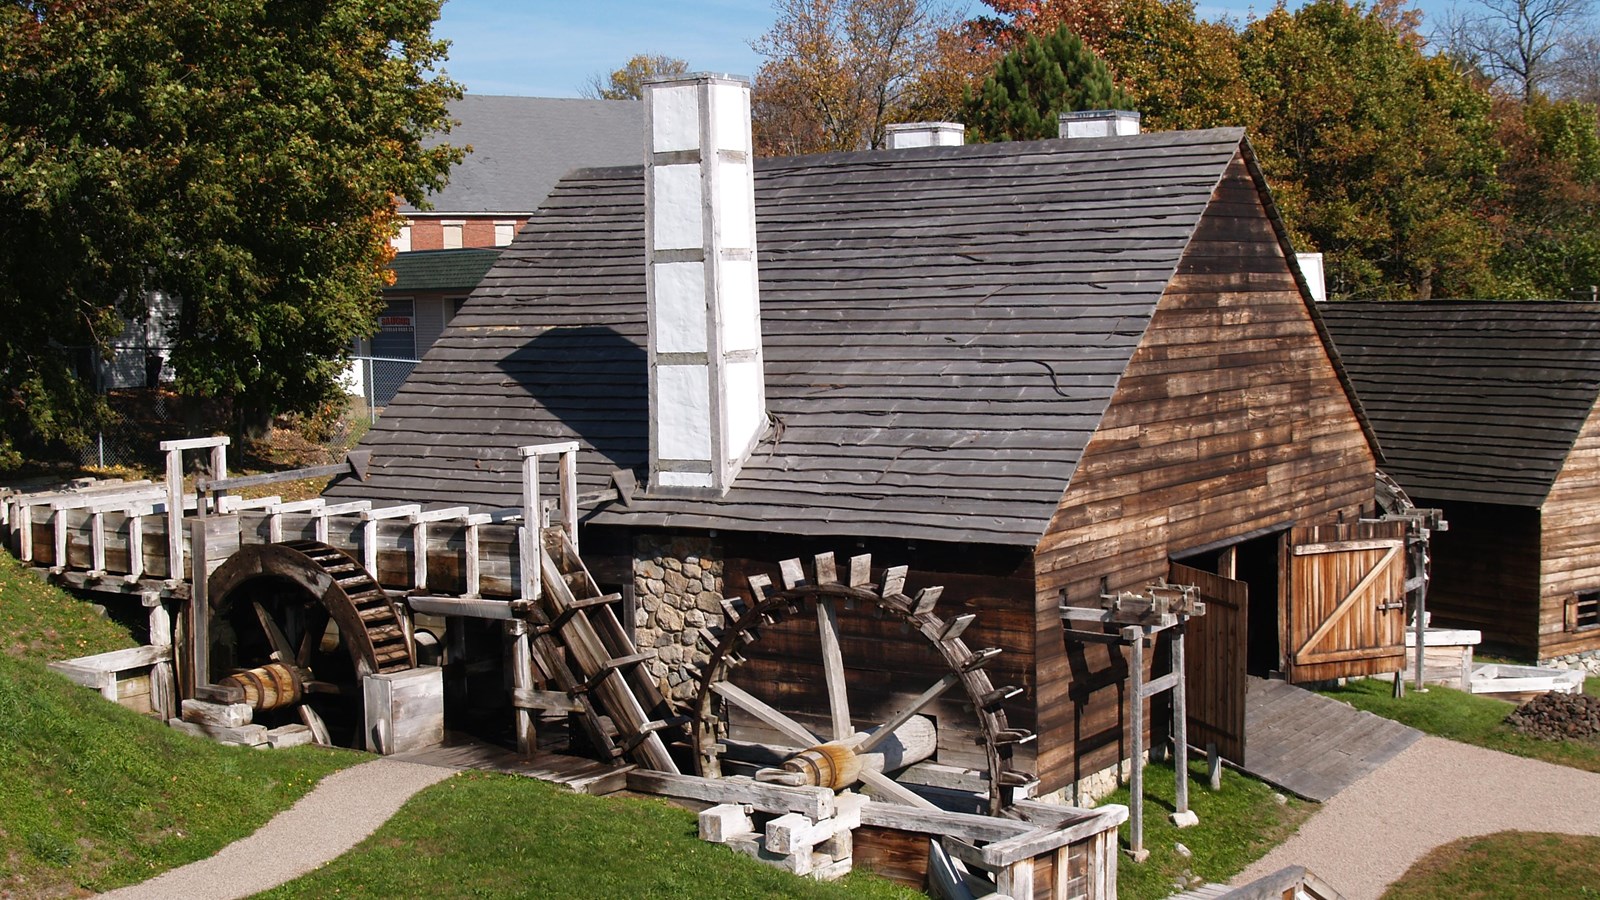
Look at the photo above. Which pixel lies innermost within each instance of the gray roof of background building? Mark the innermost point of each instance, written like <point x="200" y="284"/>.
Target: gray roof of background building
<point x="521" y="146"/>
<point x="1471" y="399"/>
<point x="943" y="330"/>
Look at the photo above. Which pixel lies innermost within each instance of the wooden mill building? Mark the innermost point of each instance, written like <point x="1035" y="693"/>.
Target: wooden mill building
<point x="1032" y="372"/>
<point x="1486" y="409"/>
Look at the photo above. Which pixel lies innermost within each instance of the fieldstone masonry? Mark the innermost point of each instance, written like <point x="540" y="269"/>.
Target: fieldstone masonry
<point x="1587" y="661"/>
<point x="677" y="586"/>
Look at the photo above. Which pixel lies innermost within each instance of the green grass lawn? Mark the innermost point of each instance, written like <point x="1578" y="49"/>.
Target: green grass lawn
<point x="39" y="622"/>
<point x="95" y="796"/>
<point x="1238" y="825"/>
<point x="488" y="835"/>
<point x="1460" y="716"/>
<point x="1510" y="865"/>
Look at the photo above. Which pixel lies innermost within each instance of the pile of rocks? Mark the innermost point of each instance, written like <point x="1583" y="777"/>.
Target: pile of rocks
<point x="1554" y="717"/>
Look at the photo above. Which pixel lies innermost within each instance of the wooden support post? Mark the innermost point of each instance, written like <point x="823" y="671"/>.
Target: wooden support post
<point x="174" y="512"/>
<point x="522" y="680"/>
<point x="532" y="524"/>
<point x="1180" y="721"/>
<point x="135" y="544"/>
<point x="97" y="543"/>
<point x="163" y="699"/>
<point x="533" y="519"/>
<point x="474" y="569"/>
<point x="569" y="493"/>
<point x="219" y="468"/>
<point x="58" y="520"/>
<point x="1134" y="636"/>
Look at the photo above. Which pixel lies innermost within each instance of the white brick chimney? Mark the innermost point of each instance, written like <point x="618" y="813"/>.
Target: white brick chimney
<point x="707" y="388"/>
<point x="1093" y="123"/>
<point x="926" y="134"/>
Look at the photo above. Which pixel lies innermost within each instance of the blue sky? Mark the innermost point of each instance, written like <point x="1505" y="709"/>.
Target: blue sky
<point x="549" y="48"/>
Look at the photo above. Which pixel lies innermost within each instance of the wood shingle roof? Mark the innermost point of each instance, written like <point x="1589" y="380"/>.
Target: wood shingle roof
<point x="943" y="329"/>
<point x="1472" y="400"/>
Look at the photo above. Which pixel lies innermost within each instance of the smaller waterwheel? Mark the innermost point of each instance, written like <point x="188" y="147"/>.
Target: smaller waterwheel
<point x="847" y="755"/>
<point x="295" y="627"/>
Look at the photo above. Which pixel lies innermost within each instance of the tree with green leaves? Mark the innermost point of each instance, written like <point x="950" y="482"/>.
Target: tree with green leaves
<point x="627" y="83"/>
<point x="1548" y="213"/>
<point x="1380" y="156"/>
<point x="242" y="155"/>
<point x="1032" y="85"/>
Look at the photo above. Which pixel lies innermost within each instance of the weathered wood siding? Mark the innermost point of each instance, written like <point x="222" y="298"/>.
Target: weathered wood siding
<point x="1486" y="573"/>
<point x="1569" y="542"/>
<point x="1230" y="418"/>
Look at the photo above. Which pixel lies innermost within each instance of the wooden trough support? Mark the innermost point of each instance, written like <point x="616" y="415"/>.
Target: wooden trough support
<point x="1049" y="851"/>
<point x="218" y="446"/>
<point x="1139" y="619"/>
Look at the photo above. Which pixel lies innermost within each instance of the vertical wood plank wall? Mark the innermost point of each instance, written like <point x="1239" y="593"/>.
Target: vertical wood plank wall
<point x="1229" y="418"/>
<point x="1570" y="544"/>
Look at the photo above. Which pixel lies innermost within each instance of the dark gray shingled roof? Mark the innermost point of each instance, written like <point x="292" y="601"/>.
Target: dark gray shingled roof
<point x="441" y="270"/>
<point x="943" y="329"/>
<point x="1472" y="400"/>
<point x="521" y="146"/>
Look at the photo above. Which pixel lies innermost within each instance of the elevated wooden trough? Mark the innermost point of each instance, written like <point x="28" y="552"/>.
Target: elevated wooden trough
<point x="201" y="561"/>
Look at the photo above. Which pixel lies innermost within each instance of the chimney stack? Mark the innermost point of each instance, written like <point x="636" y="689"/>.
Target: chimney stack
<point x="1095" y="123"/>
<point x="926" y="134"/>
<point x="707" y="384"/>
<point x="1311" y="268"/>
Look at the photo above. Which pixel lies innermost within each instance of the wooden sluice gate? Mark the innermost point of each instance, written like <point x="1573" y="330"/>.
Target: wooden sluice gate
<point x="275" y="623"/>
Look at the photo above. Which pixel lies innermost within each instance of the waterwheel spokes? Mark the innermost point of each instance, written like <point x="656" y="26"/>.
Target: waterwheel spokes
<point x="894" y="791"/>
<point x="753" y="705"/>
<point x="887" y="729"/>
<point x="316" y="625"/>
<point x="833" y="669"/>
<point x="282" y="651"/>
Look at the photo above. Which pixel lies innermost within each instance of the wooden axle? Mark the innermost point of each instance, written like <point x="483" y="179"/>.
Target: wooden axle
<point x="840" y="764"/>
<point x="272" y="686"/>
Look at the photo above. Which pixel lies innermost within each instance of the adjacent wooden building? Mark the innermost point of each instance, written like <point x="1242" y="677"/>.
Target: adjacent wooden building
<point x="1033" y="372"/>
<point x="1486" y="409"/>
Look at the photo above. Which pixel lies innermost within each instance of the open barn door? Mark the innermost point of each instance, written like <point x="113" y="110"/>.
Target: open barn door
<point x="1214" y="661"/>
<point x="1344" y="600"/>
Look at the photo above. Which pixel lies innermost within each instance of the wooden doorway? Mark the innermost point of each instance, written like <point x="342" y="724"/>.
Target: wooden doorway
<point x="1342" y="606"/>
<point x="1214" y="661"/>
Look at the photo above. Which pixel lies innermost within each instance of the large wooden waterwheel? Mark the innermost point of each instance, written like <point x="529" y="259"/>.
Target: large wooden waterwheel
<point x="295" y="627"/>
<point x="845" y="753"/>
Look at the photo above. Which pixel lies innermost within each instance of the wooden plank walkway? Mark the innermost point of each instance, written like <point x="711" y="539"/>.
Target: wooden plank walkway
<point x="577" y="774"/>
<point x="1311" y="746"/>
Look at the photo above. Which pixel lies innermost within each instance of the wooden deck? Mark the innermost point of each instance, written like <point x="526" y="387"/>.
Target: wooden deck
<point x="580" y="775"/>
<point x="1311" y="746"/>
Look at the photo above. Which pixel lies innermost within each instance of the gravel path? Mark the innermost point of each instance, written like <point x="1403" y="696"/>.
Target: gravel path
<point x="338" y="813"/>
<point x="1434" y="792"/>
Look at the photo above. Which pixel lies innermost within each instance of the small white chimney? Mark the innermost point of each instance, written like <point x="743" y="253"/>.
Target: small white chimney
<point x="1311" y="268"/>
<point x="1093" y="123"/>
<point x="707" y="387"/>
<point x="926" y="134"/>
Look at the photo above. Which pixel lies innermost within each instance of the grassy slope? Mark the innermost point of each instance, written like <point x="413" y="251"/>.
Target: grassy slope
<point x="487" y="835"/>
<point x="95" y="796"/>
<point x="1509" y="865"/>
<point x="1463" y="717"/>
<point x="1238" y="825"/>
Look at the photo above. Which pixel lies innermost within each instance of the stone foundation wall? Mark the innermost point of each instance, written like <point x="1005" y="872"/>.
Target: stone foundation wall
<point x="677" y="584"/>
<point x="1588" y="661"/>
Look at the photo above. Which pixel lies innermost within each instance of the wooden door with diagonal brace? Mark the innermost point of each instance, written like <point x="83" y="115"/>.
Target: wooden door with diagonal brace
<point x="1343" y="602"/>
